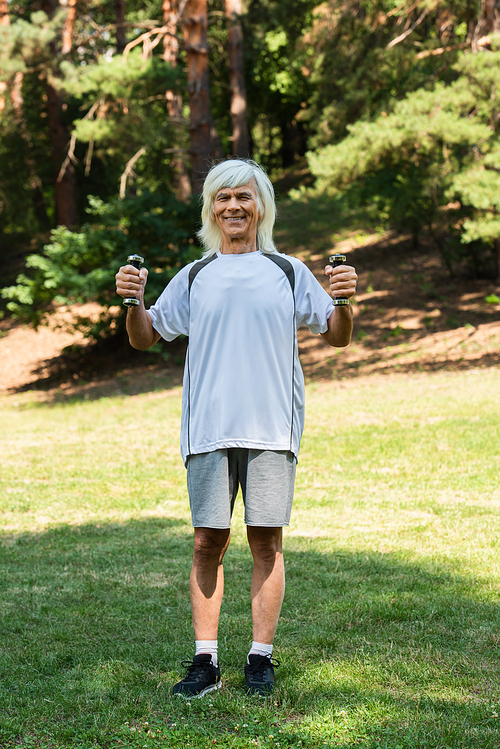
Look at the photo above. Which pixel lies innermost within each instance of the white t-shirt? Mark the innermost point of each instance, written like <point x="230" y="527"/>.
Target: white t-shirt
<point x="243" y="383"/>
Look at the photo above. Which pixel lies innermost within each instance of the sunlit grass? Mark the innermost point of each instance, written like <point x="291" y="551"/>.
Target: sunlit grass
<point x="390" y="630"/>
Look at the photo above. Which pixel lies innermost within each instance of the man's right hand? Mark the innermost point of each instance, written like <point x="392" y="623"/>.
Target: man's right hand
<point x="131" y="282"/>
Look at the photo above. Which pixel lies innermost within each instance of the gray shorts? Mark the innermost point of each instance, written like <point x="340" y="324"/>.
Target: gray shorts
<point x="266" y="478"/>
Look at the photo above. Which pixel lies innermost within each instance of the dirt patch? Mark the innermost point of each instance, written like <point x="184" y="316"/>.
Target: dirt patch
<point x="409" y="316"/>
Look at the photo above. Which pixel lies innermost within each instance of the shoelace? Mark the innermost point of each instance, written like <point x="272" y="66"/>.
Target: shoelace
<point x="196" y="670"/>
<point x="260" y="666"/>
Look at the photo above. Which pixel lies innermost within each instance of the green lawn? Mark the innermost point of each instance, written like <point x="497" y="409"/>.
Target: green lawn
<point x="390" y="630"/>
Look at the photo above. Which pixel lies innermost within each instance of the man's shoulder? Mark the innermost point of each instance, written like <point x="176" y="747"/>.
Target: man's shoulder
<point x="295" y="261"/>
<point x="302" y="271"/>
<point x="183" y="273"/>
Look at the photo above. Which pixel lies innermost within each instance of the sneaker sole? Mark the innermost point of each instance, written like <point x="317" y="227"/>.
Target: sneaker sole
<point x="206" y="691"/>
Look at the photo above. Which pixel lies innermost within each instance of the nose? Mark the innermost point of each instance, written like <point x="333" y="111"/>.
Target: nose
<point x="234" y="203"/>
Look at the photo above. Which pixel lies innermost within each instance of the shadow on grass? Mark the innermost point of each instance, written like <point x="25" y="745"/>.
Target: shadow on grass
<point x="376" y="650"/>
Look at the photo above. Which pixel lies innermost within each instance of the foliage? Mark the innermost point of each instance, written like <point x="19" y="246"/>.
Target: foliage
<point x="432" y="163"/>
<point x="79" y="266"/>
<point x="124" y="99"/>
<point x="371" y="70"/>
<point x="112" y="105"/>
<point x="24" y="141"/>
<point x="362" y="57"/>
<point x="277" y="86"/>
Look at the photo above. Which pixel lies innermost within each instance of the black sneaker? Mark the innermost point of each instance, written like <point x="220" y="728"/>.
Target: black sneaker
<point x="202" y="677"/>
<point x="259" y="674"/>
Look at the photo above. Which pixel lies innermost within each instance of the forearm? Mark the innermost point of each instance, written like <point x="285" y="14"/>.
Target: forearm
<point x="340" y="324"/>
<point x="140" y="329"/>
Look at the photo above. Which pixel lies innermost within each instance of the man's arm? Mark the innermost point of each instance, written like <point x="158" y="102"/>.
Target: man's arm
<point x="342" y="284"/>
<point x="131" y="282"/>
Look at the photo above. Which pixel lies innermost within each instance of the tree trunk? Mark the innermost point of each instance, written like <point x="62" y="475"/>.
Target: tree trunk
<point x="121" y="37"/>
<point x="182" y="185"/>
<point x="497" y="259"/>
<point x="64" y="184"/>
<point x="4" y="13"/>
<point x="64" y="188"/>
<point x="491" y="15"/>
<point x="237" y="79"/>
<point x="205" y="143"/>
<point x="69" y="22"/>
<point x="487" y="23"/>
<point x="4" y="21"/>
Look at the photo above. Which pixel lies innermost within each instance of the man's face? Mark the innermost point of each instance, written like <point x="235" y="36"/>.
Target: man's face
<point x="236" y="212"/>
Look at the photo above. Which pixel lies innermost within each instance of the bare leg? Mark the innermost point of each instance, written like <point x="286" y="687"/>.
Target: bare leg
<point x="207" y="580"/>
<point x="268" y="580"/>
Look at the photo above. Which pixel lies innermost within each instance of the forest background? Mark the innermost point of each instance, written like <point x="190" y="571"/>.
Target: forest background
<point x="111" y="114"/>
<point x="378" y="122"/>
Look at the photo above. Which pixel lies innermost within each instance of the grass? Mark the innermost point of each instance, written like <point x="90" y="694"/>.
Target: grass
<point x="390" y="631"/>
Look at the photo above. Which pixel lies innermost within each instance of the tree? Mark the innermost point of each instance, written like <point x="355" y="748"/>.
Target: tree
<point x="16" y="97"/>
<point x="59" y="138"/>
<point x="432" y="163"/>
<point x="204" y="139"/>
<point x="238" y="108"/>
<point x="276" y="86"/>
<point x="69" y="22"/>
<point x="4" y="21"/>
<point x="25" y="63"/>
<point x="174" y="99"/>
<point x="76" y="267"/>
<point x="362" y="56"/>
<point x="488" y="22"/>
<point x="121" y="35"/>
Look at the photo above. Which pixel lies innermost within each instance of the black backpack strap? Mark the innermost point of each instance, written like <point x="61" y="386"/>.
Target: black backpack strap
<point x="285" y="266"/>
<point x="195" y="269"/>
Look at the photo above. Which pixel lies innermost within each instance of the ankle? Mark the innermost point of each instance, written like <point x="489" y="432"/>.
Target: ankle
<point x="207" y="646"/>
<point x="261" y="648"/>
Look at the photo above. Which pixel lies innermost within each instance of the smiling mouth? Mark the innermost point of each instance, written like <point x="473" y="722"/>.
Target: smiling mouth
<point x="234" y="218"/>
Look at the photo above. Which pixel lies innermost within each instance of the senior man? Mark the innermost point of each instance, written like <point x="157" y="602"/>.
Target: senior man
<point x="243" y="398"/>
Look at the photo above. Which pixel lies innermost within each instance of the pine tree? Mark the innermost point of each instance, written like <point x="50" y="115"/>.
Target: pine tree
<point x="63" y="175"/>
<point x="174" y="99"/>
<point x="238" y="109"/>
<point x="204" y="139"/>
<point x="432" y="163"/>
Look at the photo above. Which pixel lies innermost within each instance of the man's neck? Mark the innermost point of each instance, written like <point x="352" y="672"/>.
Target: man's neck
<point x="238" y="247"/>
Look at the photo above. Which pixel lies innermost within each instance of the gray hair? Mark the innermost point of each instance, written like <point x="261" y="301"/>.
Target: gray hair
<point x="230" y="174"/>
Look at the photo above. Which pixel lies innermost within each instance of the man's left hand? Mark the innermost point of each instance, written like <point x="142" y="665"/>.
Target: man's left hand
<point x="343" y="280"/>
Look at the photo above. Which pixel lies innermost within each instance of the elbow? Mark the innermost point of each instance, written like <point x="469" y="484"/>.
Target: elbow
<point x="142" y="345"/>
<point x="337" y="341"/>
<point x="343" y="343"/>
<point x="139" y="343"/>
<point x="344" y="340"/>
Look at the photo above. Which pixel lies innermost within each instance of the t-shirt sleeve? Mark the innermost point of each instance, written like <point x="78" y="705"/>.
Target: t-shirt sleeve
<point x="313" y="304"/>
<point x="170" y="313"/>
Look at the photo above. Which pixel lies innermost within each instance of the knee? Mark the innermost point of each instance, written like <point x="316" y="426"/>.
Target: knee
<point x="265" y="547"/>
<point x="210" y="545"/>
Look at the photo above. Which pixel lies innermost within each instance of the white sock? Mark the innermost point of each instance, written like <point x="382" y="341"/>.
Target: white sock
<point x="260" y="648"/>
<point x="207" y="646"/>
